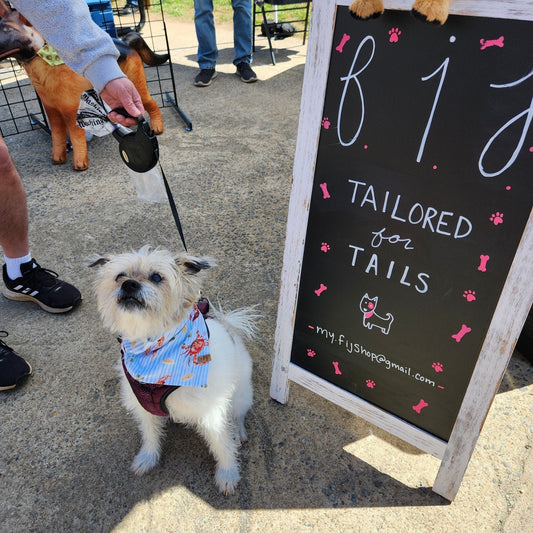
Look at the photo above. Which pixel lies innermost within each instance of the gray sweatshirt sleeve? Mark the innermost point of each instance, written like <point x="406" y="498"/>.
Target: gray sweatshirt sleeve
<point x="67" y="25"/>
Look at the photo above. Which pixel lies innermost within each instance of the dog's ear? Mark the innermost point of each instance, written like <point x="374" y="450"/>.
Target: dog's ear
<point x="5" y="8"/>
<point x="99" y="262"/>
<point x="193" y="266"/>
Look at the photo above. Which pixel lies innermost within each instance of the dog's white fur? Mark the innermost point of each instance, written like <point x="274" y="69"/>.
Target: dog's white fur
<point x="216" y="411"/>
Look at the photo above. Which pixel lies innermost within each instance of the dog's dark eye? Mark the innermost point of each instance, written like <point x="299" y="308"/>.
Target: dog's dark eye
<point x="156" y="278"/>
<point x="121" y="275"/>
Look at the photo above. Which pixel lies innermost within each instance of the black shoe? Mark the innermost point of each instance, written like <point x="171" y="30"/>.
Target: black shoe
<point x="128" y="9"/>
<point x="244" y="70"/>
<point x="205" y="77"/>
<point x="41" y="286"/>
<point x="13" y="369"/>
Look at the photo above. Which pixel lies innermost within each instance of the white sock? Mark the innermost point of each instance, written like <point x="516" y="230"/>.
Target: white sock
<point x="13" y="265"/>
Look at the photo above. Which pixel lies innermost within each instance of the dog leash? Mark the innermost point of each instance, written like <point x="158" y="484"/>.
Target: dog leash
<point x="173" y="207"/>
<point x="140" y="151"/>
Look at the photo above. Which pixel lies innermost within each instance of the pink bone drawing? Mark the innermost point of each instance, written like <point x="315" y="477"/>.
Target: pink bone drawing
<point x="336" y="366"/>
<point x="461" y="333"/>
<point x="344" y="40"/>
<point x="483" y="260"/>
<point x="321" y="289"/>
<point x="420" y="406"/>
<point x="485" y="43"/>
<point x="325" y="193"/>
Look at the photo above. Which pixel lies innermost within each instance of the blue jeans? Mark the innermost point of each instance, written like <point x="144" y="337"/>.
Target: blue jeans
<point x="205" y="32"/>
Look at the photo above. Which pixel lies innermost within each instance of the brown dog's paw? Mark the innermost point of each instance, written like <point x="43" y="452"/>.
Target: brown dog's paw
<point x="59" y="160"/>
<point x="157" y="128"/>
<point x="156" y="118"/>
<point x="433" y="11"/>
<point x="366" y="9"/>
<point x="81" y="165"/>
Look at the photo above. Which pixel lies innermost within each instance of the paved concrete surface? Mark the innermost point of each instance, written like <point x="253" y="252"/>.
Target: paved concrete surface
<point x="65" y="441"/>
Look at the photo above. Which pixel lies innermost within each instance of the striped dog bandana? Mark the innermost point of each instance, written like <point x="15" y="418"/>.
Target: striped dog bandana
<point x="180" y="357"/>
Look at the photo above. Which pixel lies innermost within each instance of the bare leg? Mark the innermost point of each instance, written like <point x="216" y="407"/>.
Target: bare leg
<point x="13" y="208"/>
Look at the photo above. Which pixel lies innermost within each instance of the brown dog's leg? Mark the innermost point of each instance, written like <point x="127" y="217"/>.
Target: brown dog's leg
<point x="365" y="9"/>
<point x="432" y="10"/>
<point x="60" y="124"/>
<point x="59" y="136"/>
<point x="79" y="144"/>
<point x="133" y="68"/>
<point x="156" y="119"/>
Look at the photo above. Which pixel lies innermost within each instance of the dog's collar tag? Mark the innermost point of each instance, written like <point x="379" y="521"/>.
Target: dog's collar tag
<point x="138" y="149"/>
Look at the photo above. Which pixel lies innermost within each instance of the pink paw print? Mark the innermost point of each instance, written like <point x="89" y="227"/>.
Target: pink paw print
<point x="310" y="353"/>
<point x="325" y="247"/>
<point x="438" y="367"/>
<point x="370" y="384"/>
<point x="469" y="295"/>
<point x="496" y="218"/>
<point x="394" y="35"/>
<point x="326" y="123"/>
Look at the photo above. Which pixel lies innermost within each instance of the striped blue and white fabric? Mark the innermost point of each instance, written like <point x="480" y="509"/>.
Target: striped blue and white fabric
<point x="180" y="357"/>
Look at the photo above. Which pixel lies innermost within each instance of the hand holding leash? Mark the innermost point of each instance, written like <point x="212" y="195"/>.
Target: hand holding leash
<point x="120" y="93"/>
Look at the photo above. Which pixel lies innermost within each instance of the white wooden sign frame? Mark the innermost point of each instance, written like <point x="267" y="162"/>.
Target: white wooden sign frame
<point x="505" y="326"/>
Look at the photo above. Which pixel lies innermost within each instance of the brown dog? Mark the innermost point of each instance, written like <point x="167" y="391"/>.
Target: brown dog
<point x="60" y="88"/>
<point x="429" y="10"/>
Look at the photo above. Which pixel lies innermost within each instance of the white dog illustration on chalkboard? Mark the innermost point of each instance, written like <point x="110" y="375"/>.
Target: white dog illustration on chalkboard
<point x="435" y="11"/>
<point x="370" y="318"/>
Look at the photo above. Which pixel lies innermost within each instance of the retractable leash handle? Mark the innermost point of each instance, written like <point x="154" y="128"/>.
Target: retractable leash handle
<point x="138" y="149"/>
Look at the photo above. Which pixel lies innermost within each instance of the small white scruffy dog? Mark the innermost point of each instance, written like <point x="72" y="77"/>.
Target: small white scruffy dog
<point x="145" y="297"/>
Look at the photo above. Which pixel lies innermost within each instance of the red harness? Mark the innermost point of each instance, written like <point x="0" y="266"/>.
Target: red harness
<point x="152" y="397"/>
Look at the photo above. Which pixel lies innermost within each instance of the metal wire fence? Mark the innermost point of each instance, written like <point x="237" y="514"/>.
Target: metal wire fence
<point x="20" y="108"/>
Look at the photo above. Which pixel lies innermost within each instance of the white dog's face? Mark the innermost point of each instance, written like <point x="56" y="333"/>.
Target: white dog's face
<point x="143" y="294"/>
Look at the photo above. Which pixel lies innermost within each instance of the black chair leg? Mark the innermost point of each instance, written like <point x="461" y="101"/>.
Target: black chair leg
<point x="253" y="27"/>
<point x="268" y="36"/>
<point x="306" y="19"/>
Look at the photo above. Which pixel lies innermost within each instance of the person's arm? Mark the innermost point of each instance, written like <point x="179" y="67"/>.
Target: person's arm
<point x="86" y="48"/>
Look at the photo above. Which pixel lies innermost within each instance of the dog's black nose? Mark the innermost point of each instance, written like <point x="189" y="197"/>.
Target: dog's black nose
<point x="130" y="286"/>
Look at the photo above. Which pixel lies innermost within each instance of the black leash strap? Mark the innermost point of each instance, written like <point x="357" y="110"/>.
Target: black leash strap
<point x="173" y="207"/>
<point x="140" y="152"/>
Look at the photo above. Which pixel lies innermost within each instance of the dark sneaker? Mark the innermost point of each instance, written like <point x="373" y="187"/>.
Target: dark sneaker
<point x="244" y="70"/>
<point x="205" y="77"/>
<point x="43" y="287"/>
<point x="13" y="369"/>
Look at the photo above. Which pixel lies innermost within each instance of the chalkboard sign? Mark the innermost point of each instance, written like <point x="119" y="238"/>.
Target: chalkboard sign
<point x="419" y="197"/>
